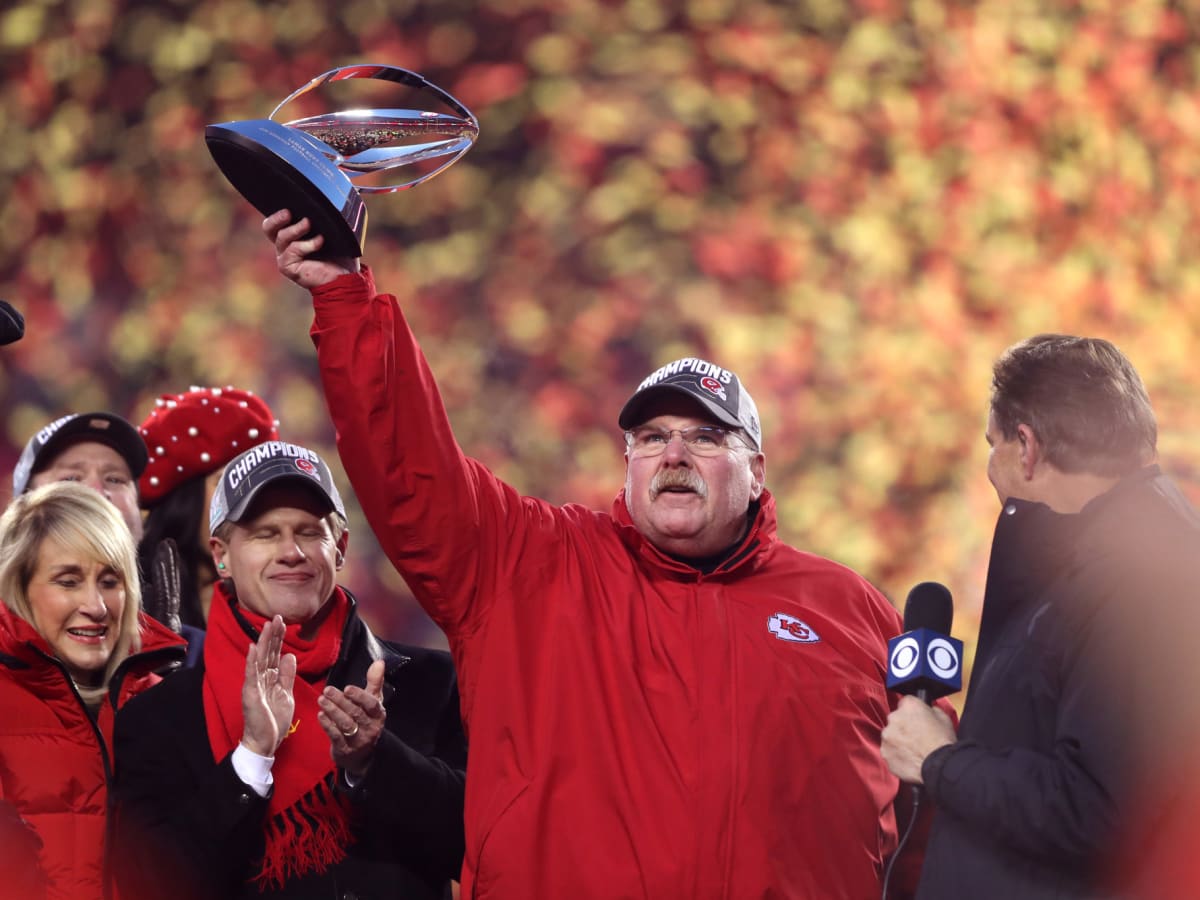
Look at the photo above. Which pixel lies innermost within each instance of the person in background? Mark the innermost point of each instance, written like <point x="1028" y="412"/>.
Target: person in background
<point x="1094" y="567"/>
<point x="98" y="449"/>
<point x="664" y="700"/>
<point x="73" y="649"/>
<point x="190" y="437"/>
<point x="104" y="452"/>
<point x="323" y="762"/>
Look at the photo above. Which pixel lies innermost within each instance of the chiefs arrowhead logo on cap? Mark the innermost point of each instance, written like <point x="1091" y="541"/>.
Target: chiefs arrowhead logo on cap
<point x="714" y="387"/>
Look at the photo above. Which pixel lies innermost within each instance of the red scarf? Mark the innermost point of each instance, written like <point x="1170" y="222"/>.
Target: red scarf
<point x="307" y="825"/>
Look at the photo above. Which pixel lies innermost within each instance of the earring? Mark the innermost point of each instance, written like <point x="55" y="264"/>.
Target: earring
<point x="221" y="566"/>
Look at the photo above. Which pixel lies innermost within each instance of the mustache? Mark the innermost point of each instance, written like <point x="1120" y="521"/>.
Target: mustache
<point x="678" y="478"/>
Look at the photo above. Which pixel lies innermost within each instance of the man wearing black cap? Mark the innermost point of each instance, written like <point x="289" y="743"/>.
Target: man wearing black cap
<point x="663" y="701"/>
<point x="263" y="773"/>
<point x="106" y="453"/>
<point x="98" y="449"/>
<point x="681" y="495"/>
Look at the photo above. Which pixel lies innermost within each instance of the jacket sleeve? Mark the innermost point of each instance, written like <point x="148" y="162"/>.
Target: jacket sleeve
<point x="184" y="826"/>
<point x="418" y="801"/>
<point x="414" y="790"/>
<point x="1061" y="806"/>
<point x="448" y="525"/>
<point x="906" y="868"/>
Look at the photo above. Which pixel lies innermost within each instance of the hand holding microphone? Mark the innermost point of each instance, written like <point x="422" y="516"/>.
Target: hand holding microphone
<point x="913" y="731"/>
<point x="924" y="663"/>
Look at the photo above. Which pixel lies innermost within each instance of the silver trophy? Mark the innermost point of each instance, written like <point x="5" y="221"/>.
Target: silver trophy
<point x="310" y="165"/>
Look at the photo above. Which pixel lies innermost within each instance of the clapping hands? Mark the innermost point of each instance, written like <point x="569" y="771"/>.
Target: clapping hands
<point x="354" y="720"/>
<point x="267" y="701"/>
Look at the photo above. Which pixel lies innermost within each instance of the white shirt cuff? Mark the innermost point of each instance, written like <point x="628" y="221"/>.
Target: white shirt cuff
<point x="252" y="769"/>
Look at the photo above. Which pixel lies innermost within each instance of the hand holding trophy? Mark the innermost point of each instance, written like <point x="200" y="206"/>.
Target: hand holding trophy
<point x="309" y="165"/>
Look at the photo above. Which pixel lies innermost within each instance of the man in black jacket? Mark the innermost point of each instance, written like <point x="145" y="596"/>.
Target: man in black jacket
<point x="1095" y="560"/>
<point x="269" y="771"/>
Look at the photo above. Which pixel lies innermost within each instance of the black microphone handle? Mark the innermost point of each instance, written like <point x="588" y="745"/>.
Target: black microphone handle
<point x="921" y="694"/>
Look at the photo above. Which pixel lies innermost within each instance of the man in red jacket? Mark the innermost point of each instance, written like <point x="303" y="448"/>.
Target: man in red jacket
<point x="664" y="700"/>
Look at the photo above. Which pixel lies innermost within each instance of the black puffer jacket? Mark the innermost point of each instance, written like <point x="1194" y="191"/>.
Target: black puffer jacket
<point x="1032" y="799"/>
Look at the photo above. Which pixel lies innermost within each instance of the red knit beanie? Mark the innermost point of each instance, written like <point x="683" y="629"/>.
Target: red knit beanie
<point x="196" y="433"/>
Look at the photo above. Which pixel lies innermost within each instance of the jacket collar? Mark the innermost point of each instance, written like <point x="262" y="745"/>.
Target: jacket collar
<point x="1133" y="482"/>
<point x="360" y="648"/>
<point x="20" y="642"/>
<point x="162" y="651"/>
<point x="758" y="539"/>
<point x="1033" y="545"/>
<point x="22" y="648"/>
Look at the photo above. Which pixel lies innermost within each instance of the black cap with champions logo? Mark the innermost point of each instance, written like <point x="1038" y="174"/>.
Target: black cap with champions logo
<point x="718" y="390"/>
<point x="101" y="427"/>
<point x="248" y="474"/>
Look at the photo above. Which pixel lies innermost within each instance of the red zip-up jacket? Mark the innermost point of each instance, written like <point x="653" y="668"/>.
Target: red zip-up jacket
<point x="56" y="759"/>
<point x="637" y="729"/>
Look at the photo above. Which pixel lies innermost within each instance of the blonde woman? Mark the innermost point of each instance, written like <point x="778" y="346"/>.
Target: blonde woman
<point x="73" y="648"/>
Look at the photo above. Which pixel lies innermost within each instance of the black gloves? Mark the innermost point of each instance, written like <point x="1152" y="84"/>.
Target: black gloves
<point x="162" y="590"/>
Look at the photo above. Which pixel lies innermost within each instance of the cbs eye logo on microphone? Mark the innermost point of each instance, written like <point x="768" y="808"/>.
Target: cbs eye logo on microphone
<point x="924" y="663"/>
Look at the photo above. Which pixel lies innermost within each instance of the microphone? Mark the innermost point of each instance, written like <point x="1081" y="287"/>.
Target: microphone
<point x="12" y="324"/>
<point x="925" y="661"/>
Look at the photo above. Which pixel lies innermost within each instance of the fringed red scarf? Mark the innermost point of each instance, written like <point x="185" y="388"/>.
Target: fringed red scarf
<point x="308" y="824"/>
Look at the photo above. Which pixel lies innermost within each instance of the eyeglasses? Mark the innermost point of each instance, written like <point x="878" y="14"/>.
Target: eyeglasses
<point x="701" y="440"/>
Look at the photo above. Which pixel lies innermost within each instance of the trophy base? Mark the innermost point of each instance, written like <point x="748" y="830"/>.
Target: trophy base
<point x="276" y="167"/>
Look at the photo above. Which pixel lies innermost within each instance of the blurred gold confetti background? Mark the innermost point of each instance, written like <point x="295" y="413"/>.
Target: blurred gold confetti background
<point x="854" y="205"/>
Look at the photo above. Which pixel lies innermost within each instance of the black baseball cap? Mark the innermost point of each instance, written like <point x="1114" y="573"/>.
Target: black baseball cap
<point x="717" y="389"/>
<point x="272" y="462"/>
<point x="102" y="427"/>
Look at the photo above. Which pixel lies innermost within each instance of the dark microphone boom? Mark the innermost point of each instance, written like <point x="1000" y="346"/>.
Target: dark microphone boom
<point x="12" y="324"/>
<point x="925" y="661"/>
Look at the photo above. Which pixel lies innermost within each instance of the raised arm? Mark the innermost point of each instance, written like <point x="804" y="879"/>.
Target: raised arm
<point x="443" y="519"/>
